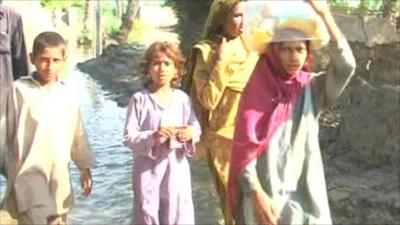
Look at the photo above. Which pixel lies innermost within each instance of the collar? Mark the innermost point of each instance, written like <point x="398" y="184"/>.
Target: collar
<point x="301" y="77"/>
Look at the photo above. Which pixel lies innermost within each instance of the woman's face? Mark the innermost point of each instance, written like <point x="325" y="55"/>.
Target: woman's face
<point x="234" y="23"/>
<point x="293" y="55"/>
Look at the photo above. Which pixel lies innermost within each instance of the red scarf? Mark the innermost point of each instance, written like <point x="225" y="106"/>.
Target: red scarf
<point x="266" y="104"/>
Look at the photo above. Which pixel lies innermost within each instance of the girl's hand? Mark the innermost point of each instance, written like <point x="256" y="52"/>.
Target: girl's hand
<point x="86" y="182"/>
<point x="321" y="8"/>
<point x="223" y="52"/>
<point x="184" y="134"/>
<point x="163" y="134"/>
<point x="265" y="209"/>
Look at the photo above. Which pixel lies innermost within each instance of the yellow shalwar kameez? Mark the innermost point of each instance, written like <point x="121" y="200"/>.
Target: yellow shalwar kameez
<point x="216" y="90"/>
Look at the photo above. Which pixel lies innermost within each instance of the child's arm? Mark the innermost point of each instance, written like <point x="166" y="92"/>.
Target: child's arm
<point x="210" y="78"/>
<point x="83" y="156"/>
<point x="190" y="133"/>
<point x="330" y="84"/>
<point x="143" y="142"/>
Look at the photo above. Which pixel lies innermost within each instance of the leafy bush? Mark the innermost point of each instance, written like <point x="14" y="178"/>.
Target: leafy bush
<point x="53" y="5"/>
<point x="374" y="7"/>
<point x="139" y="27"/>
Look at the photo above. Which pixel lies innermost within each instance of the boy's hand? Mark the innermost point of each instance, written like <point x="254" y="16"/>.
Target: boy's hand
<point x="163" y="134"/>
<point x="184" y="134"/>
<point x="86" y="182"/>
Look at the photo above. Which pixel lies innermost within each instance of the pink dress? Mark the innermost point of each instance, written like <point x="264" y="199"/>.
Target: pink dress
<point x="161" y="175"/>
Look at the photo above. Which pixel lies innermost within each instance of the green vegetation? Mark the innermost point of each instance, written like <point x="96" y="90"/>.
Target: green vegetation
<point x="84" y="38"/>
<point x="112" y="22"/>
<point x="363" y="7"/>
<point x="139" y="28"/>
<point x="53" y="5"/>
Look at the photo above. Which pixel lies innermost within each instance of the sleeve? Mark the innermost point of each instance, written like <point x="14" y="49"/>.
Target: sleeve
<point x="192" y="121"/>
<point x="209" y="81"/>
<point x="249" y="183"/>
<point x="19" y="54"/>
<point x="141" y="142"/>
<point x="10" y="152"/>
<point x="248" y="179"/>
<point x="82" y="154"/>
<point x="8" y="128"/>
<point x="330" y="84"/>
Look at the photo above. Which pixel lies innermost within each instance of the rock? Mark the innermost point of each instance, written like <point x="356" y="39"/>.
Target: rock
<point x="370" y="30"/>
<point x="351" y="26"/>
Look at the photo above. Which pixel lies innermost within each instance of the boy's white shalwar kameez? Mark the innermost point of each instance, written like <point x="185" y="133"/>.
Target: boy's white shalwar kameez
<point x="45" y="132"/>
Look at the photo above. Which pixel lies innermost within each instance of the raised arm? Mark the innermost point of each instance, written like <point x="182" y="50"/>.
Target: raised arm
<point x="330" y="84"/>
<point x="209" y="77"/>
<point x="323" y="11"/>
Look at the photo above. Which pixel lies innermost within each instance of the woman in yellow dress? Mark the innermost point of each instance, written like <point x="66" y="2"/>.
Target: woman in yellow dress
<point x="221" y="67"/>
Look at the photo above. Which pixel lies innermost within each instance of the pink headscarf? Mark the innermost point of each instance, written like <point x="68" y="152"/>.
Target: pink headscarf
<point x="266" y="103"/>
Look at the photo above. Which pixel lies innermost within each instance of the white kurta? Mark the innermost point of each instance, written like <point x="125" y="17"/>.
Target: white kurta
<point x="46" y="133"/>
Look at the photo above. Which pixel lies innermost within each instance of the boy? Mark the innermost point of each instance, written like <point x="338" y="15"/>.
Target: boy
<point x="45" y="132"/>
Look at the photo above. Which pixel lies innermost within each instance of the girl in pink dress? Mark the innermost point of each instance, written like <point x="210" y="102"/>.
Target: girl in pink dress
<point x="161" y="130"/>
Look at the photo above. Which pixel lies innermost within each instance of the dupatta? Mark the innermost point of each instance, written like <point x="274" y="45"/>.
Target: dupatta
<point x="267" y="103"/>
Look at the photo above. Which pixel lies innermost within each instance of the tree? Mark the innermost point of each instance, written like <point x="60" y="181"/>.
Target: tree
<point x="118" y="10"/>
<point x="84" y="38"/>
<point x="127" y="22"/>
<point x="389" y="9"/>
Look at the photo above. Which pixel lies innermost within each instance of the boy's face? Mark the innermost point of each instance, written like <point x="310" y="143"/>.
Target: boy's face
<point x="49" y="64"/>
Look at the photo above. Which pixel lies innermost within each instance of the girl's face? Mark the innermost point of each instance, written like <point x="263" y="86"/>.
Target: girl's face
<point x="293" y="55"/>
<point x="162" y="70"/>
<point x="234" y="23"/>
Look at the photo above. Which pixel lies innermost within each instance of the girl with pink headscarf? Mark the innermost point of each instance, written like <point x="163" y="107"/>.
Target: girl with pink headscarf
<point x="276" y="174"/>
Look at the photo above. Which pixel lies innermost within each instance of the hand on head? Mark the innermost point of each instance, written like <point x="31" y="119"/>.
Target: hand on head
<point x="319" y="7"/>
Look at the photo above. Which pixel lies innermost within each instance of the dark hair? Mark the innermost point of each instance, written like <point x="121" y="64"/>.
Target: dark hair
<point x="48" y="39"/>
<point x="172" y="51"/>
<point x="214" y="30"/>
